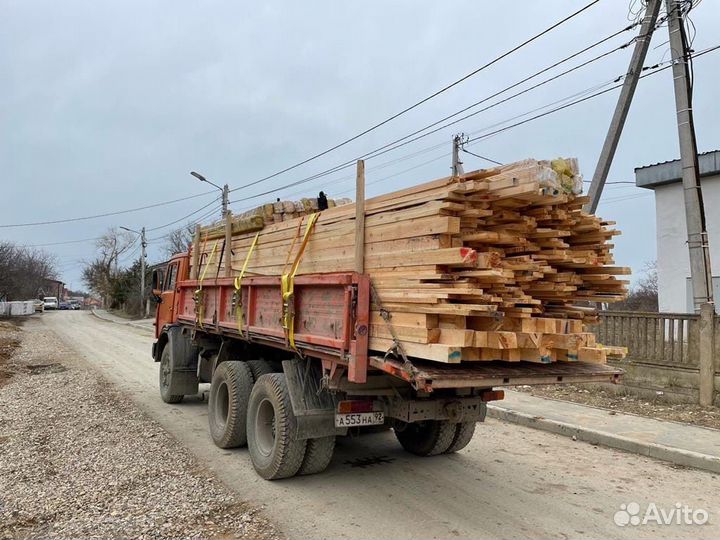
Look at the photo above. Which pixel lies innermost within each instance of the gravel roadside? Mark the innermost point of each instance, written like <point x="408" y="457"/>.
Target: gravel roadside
<point x="79" y="460"/>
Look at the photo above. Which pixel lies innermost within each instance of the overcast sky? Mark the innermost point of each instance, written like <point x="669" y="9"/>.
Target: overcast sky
<point x="108" y="106"/>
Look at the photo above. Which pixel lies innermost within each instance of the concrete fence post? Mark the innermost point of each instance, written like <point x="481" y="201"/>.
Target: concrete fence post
<point x="706" y="386"/>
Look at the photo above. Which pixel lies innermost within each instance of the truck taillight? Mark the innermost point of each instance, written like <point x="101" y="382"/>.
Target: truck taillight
<point x="355" y="406"/>
<point x="492" y="395"/>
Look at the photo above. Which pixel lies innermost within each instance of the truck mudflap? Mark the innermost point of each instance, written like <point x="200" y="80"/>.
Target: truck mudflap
<point x="427" y="376"/>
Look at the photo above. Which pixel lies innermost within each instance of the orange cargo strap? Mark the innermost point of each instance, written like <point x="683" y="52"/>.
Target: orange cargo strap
<point x="198" y="295"/>
<point x="238" y="283"/>
<point x="287" y="285"/>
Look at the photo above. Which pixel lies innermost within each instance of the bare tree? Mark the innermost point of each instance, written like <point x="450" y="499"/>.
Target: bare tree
<point x="100" y="273"/>
<point x="24" y="271"/>
<point x="113" y="244"/>
<point x="179" y="239"/>
<point x="644" y="296"/>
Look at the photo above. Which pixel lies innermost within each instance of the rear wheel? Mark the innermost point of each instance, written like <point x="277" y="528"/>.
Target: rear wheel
<point x="260" y="368"/>
<point x="318" y="455"/>
<point x="464" y="432"/>
<point x="427" y="438"/>
<point x="270" y="427"/>
<point x="166" y="378"/>
<point x="228" y="402"/>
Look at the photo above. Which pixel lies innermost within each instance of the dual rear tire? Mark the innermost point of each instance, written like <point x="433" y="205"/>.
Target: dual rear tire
<point x="434" y="437"/>
<point x="250" y="404"/>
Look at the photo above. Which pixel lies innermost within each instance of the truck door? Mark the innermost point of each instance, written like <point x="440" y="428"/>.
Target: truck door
<point x="166" y="307"/>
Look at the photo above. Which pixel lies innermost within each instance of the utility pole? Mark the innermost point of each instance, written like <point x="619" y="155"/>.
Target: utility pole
<point x="143" y="245"/>
<point x="225" y="194"/>
<point x="457" y="165"/>
<point x="632" y="76"/>
<point x="700" y="272"/>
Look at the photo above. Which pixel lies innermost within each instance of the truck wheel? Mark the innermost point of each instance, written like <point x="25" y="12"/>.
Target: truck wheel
<point x="427" y="438"/>
<point x="270" y="427"/>
<point x="228" y="402"/>
<point x="166" y="377"/>
<point x="260" y="368"/>
<point x="318" y="455"/>
<point x="464" y="432"/>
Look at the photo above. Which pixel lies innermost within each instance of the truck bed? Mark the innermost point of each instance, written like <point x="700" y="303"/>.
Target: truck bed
<point x="432" y="375"/>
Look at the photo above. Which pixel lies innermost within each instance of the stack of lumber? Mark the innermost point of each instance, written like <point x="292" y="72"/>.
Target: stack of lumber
<point x="490" y="265"/>
<point x="257" y="218"/>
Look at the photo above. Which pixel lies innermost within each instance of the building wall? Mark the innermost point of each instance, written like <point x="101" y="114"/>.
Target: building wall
<point x="673" y="262"/>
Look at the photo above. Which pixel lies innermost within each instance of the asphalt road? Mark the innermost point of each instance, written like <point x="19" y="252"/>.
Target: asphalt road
<point x="510" y="482"/>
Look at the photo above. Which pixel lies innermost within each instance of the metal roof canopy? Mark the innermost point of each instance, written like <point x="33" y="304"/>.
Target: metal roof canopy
<point x="669" y="172"/>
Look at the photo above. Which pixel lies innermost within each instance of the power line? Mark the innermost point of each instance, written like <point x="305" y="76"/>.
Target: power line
<point x="352" y="162"/>
<point x="214" y="201"/>
<point x="515" y="85"/>
<point x="94" y="239"/>
<point x="616" y="182"/>
<point x="656" y="69"/>
<point x="426" y="99"/>
<point x="481" y="157"/>
<point x="65" y="242"/>
<point x="626" y="198"/>
<point x="556" y="109"/>
<point x="304" y="180"/>
<point x="212" y="211"/>
<point x="491" y="134"/>
<point x="445" y="155"/>
<point x="394" y="144"/>
<point x="116" y="213"/>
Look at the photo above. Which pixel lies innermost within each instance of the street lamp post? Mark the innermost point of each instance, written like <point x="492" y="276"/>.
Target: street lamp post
<point x="225" y="191"/>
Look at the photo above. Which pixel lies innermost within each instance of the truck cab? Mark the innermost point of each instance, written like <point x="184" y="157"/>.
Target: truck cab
<point x="165" y="288"/>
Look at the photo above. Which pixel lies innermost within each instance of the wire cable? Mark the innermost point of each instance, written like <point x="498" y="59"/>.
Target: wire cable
<point x="192" y="223"/>
<point x="655" y="69"/>
<point x="394" y="144"/>
<point x="493" y="133"/>
<point x="425" y="99"/>
<point x="106" y="214"/>
<point x="488" y="135"/>
<point x="214" y="201"/>
<point x="481" y="157"/>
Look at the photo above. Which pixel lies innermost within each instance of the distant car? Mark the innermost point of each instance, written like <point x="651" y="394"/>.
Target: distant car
<point x="51" y="302"/>
<point x="39" y="305"/>
<point x="75" y="304"/>
<point x="64" y="305"/>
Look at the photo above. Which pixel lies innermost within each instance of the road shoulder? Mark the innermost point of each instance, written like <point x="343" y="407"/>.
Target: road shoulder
<point x="80" y="459"/>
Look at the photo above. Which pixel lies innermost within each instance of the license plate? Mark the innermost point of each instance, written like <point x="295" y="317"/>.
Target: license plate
<point x="359" y="419"/>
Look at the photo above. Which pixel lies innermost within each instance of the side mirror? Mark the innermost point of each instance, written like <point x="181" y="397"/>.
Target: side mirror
<point x="157" y="281"/>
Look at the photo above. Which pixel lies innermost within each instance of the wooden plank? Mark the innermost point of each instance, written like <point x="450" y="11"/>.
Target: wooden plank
<point x="360" y="218"/>
<point x="432" y="351"/>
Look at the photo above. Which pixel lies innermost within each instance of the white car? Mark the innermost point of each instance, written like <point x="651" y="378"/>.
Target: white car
<point x="50" y="302"/>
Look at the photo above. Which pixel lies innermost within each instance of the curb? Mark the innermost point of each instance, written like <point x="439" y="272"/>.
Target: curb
<point x="686" y="458"/>
<point x="128" y="323"/>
